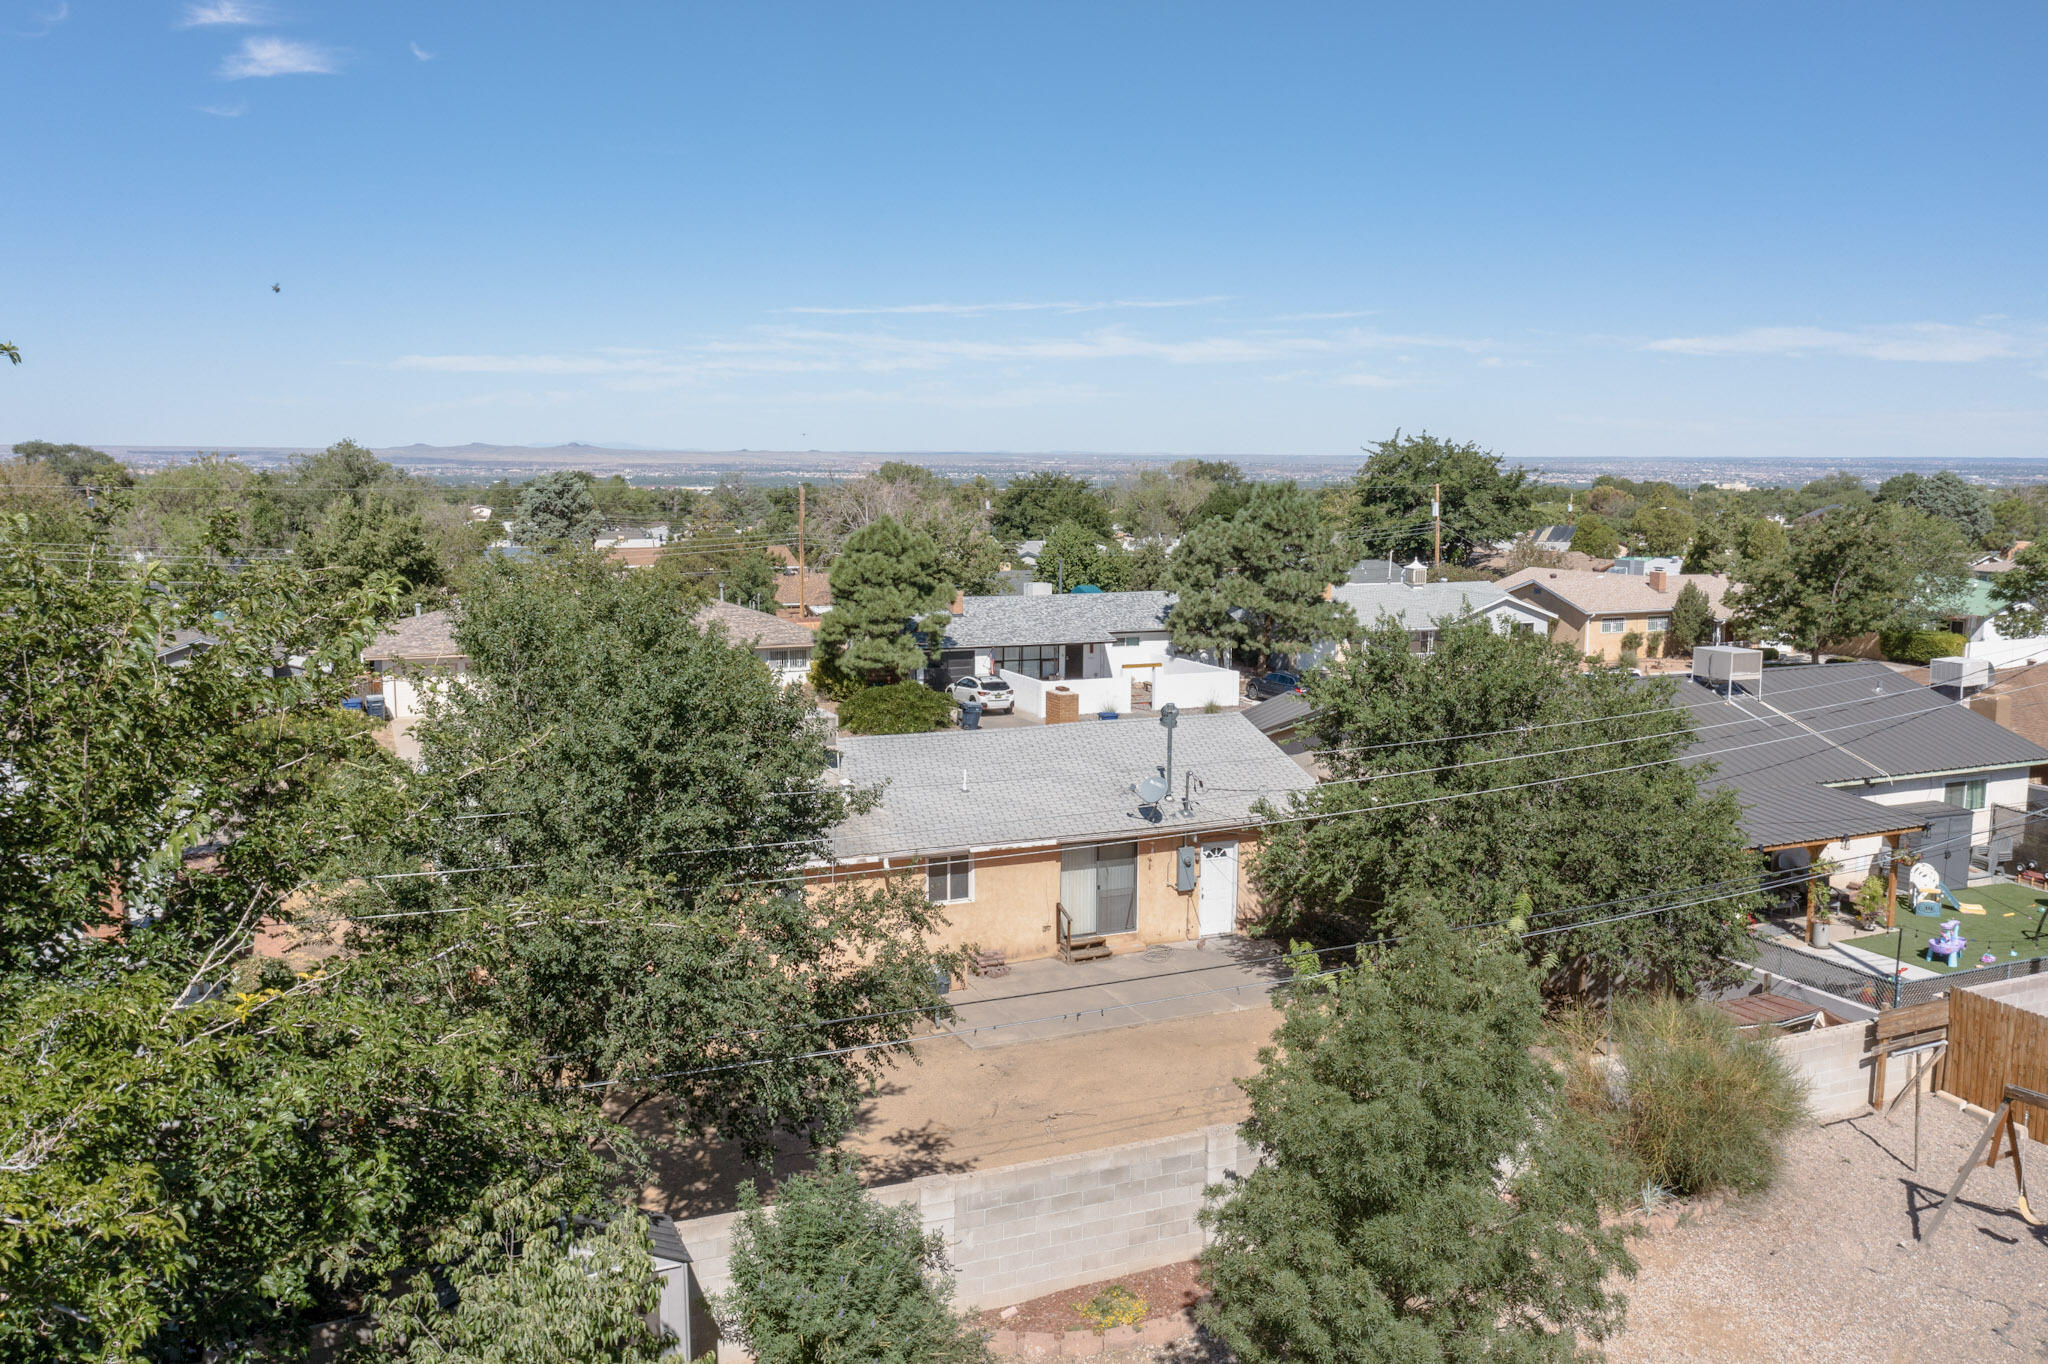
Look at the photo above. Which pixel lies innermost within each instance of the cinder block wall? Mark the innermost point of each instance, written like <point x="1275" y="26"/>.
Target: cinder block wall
<point x="1835" y="1064"/>
<point x="1026" y="1230"/>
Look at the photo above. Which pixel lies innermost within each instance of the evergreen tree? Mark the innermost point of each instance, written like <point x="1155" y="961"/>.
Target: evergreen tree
<point x="1944" y="495"/>
<point x="835" y="1275"/>
<point x="1254" y="585"/>
<point x="557" y="509"/>
<point x="887" y="589"/>
<point x="1692" y="620"/>
<point x="1426" y="1195"/>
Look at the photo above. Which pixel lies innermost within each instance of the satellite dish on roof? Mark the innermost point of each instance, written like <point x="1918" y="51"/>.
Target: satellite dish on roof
<point x="1925" y="877"/>
<point x="1152" y="790"/>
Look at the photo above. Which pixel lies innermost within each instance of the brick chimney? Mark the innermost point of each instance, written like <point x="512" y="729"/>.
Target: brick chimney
<point x="1995" y="708"/>
<point x="1658" y="581"/>
<point x="959" y="602"/>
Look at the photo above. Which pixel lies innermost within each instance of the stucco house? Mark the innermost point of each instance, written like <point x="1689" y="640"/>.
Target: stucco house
<point x="1421" y="606"/>
<point x="1008" y="827"/>
<point x="1596" y="611"/>
<point x="1113" y="649"/>
<point x="1976" y="620"/>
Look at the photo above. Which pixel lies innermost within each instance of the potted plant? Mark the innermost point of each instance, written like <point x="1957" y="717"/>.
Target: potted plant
<point x="1823" y="923"/>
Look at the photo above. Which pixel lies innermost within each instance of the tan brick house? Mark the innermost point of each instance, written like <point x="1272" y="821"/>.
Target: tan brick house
<point x="1596" y="611"/>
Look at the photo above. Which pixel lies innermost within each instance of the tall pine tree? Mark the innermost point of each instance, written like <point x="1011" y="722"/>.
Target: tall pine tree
<point x="1254" y="584"/>
<point x="887" y="588"/>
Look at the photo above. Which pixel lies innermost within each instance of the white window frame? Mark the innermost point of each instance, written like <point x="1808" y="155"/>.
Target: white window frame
<point x="1613" y="625"/>
<point x="943" y="864"/>
<point x="1658" y="625"/>
<point x="1974" y="788"/>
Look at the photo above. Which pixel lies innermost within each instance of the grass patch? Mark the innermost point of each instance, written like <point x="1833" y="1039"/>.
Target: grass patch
<point x="2004" y="929"/>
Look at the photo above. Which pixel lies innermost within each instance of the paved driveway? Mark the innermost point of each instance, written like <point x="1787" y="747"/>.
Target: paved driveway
<point x="1039" y="1000"/>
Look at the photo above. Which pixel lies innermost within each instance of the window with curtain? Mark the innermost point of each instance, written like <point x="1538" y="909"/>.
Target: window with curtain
<point x="1968" y="794"/>
<point x="1099" y="888"/>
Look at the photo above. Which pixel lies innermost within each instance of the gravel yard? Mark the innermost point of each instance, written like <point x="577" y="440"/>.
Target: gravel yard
<point x="1814" y="1271"/>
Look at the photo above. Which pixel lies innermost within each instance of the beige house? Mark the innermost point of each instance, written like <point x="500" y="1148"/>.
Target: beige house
<point x="783" y="645"/>
<point x="1033" y="839"/>
<point x="1596" y="611"/>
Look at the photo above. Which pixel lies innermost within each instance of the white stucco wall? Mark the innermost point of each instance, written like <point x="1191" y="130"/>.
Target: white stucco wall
<point x="2006" y="786"/>
<point x="1986" y="642"/>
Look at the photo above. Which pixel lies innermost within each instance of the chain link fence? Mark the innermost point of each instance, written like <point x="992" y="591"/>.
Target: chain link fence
<point x="1844" y="980"/>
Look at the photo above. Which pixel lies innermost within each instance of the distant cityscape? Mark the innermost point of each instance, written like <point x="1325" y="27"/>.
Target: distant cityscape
<point x="481" y="462"/>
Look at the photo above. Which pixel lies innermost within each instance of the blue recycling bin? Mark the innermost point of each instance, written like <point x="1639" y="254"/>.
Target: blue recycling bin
<point x="970" y="715"/>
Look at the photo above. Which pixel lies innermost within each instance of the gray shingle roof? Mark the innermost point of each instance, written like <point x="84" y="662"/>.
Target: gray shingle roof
<point x="1064" y="618"/>
<point x="1281" y="712"/>
<point x="1068" y="783"/>
<point x="1796" y="755"/>
<point x="1417" y="608"/>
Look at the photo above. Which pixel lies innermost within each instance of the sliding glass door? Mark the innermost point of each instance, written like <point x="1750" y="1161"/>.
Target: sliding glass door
<point x="1099" y="888"/>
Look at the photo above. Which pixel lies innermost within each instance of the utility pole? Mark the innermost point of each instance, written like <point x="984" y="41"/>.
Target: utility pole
<point x="802" y="600"/>
<point x="1436" y="516"/>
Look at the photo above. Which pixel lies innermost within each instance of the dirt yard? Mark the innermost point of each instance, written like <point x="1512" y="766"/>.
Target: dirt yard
<point x="960" y="1109"/>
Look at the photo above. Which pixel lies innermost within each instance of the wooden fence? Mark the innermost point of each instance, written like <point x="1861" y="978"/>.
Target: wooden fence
<point x="1998" y="1035"/>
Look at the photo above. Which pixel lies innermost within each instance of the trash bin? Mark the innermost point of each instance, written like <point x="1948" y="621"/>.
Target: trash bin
<point x="970" y="715"/>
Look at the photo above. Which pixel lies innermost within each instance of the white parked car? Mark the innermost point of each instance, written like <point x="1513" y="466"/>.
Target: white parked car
<point x="993" y="693"/>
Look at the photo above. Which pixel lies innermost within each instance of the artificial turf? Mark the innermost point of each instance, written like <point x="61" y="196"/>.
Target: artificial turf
<point x="2005" y="928"/>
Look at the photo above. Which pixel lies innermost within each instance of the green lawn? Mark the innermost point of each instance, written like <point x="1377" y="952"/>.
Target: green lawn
<point x="2002" y="929"/>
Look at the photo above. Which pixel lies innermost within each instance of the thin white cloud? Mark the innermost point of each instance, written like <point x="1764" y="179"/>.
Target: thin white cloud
<point x="1361" y="379"/>
<point x="421" y="52"/>
<point x="800" y="350"/>
<point x="45" y="22"/>
<point x="261" y="57"/>
<point x="224" y="13"/>
<point x="984" y="309"/>
<point x="1343" y="316"/>
<point x="1938" y="343"/>
<point x="235" y="110"/>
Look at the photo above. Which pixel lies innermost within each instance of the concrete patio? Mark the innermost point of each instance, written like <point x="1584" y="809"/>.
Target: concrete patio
<point x="1039" y="1000"/>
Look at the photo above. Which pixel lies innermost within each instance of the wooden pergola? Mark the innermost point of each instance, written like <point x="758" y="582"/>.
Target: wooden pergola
<point x="1814" y="849"/>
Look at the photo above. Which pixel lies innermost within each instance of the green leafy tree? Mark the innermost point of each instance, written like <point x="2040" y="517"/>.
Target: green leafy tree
<point x="1254" y="585"/>
<point x="1151" y="568"/>
<point x="1596" y="536"/>
<point x="77" y="465"/>
<point x="557" y="509"/>
<point x="1850" y="572"/>
<point x="11" y="351"/>
<point x="1944" y="495"/>
<point x="1663" y="530"/>
<point x="1426" y="1195"/>
<point x="1389" y="499"/>
<point x="889" y="598"/>
<point x="356" y="540"/>
<point x="39" y="507"/>
<point x="1692" y="619"/>
<point x="204" y="1150"/>
<point x="2014" y="519"/>
<point x="833" y="1274"/>
<point x="1760" y="542"/>
<point x="1466" y="774"/>
<point x="1074" y="557"/>
<point x="529" y="1287"/>
<point x="1032" y="507"/>
<point x="2022" y="594"/>
<point x="654" y="798"/>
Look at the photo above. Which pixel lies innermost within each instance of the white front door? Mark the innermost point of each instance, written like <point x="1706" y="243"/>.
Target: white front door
<point x="1217" y="910"/>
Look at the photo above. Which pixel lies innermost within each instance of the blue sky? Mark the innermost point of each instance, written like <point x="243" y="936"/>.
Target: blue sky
<point x="1570" y="229"/>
